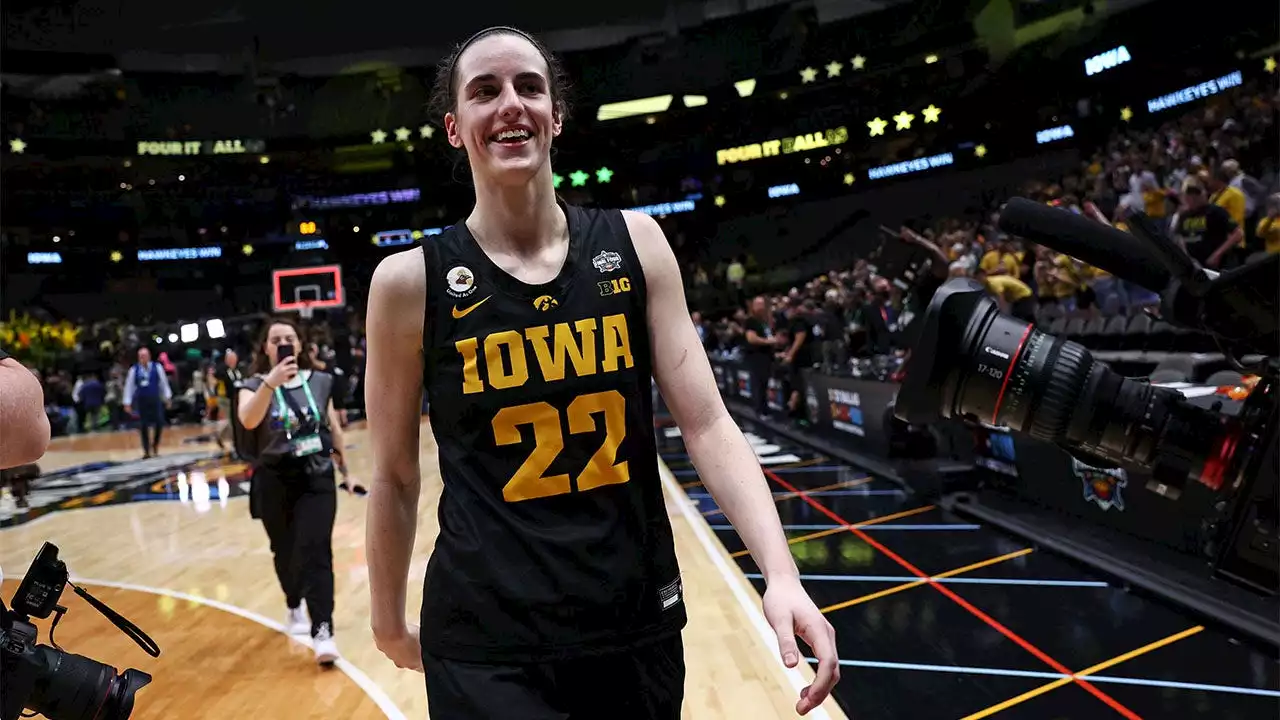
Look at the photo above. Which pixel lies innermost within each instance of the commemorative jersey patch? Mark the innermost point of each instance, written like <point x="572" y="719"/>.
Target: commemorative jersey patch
<point x="607" y="261"/>
<point x="461" y="281"/>
<point x="671" y="594"/>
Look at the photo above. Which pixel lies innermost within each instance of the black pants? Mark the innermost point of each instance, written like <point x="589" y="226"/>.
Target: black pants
<point x="297" y="510"/>
<point x="150" y="415"/>
<point x="642" y="684"/>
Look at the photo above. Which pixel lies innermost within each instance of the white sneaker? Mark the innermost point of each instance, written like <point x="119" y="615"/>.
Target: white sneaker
<point x="296" y="623"/>
<point x="326" y="649"/>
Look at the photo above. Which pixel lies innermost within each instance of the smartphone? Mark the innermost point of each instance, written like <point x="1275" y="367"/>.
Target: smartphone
<point x="283" y="350"/>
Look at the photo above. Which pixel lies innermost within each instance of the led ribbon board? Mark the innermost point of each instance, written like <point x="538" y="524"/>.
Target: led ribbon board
<point x="1195" y="92"/>
<point x="910" y="166"/>
<point x="383" y="197"/>
<point x="1056" y="133"/>
<point x="44" y="258"/>
<point x="1107" y="60"/>
<point x="200" y="147"/>
<point x="189" y="253"/>
<point x="783" y="146"/>
<point x="669" y="208"/>
<point x="778" y="191"/>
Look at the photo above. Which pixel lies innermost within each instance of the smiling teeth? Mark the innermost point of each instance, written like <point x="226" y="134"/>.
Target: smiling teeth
<point x="513" y="135"/>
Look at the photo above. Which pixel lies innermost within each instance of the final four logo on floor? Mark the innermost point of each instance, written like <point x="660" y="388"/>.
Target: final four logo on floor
<point x="1101" y="485"/>
<point x="607" y="261"/>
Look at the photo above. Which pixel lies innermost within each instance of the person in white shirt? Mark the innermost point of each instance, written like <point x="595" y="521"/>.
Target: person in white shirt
<point x="146" y="389"/>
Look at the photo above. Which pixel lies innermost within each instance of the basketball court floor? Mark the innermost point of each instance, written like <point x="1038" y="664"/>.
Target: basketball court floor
<point x="936" y="617"/>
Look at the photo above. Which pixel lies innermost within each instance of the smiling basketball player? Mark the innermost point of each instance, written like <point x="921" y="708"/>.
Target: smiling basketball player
<point x="536" y="327"/>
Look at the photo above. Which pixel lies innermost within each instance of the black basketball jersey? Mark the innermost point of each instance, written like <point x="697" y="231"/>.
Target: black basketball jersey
<point x="554" y="539"/>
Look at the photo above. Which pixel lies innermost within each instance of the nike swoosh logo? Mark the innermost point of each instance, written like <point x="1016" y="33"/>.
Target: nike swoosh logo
<point x="459" y="314"/>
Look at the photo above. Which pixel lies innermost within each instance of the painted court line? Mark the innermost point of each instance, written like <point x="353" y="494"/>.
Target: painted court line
<point x="1065" y="679"/>
<point x="923" y="581"/>
<point x="946" y="591"/>
<point x="780" y="496"/>
<point x="972" y="581"/>
<point x="1003" y="672"/>
<point x="942" y="527"/>
<point x="375" y="693"/>
<point x="766" y="634"/>
<point x="842" y="528"/>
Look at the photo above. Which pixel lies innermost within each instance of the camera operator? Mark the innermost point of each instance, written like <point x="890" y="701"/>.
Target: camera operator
<point x="24" y="427"/>
<point x="293" y="492"/>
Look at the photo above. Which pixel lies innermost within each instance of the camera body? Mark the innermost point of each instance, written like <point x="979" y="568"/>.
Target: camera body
<point x="55" y="683"/>
<point x="976" y="365"/>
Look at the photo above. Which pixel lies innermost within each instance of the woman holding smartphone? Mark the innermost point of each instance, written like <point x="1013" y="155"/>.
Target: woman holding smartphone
<point x="287" y="408"/>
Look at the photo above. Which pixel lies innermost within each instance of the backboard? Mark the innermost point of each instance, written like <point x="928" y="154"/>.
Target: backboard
<point x="312" y="287"/>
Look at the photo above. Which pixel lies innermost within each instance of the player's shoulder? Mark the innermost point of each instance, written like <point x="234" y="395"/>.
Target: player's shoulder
<point x="400" y="273"/>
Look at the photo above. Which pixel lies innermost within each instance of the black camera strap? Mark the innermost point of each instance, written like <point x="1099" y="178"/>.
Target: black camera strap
<point x="128" y="628"/>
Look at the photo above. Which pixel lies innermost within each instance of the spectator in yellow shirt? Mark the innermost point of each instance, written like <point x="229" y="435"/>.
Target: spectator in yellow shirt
<point x="1015" y="297"/>
<point x="1226" y="197"/>
<point x="999" y="261"/>
<point x="1269" y="226"/>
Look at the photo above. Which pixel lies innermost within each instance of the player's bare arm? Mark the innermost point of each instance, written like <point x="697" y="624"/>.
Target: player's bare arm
<point x="393" y="398"/>
<point x="724" y="459"/>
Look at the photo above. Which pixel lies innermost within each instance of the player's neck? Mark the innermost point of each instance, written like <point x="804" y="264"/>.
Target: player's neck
<point x="521" y="219"/>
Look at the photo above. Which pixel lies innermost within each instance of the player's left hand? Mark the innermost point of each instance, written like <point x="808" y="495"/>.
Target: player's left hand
<point x="790" y="612"/>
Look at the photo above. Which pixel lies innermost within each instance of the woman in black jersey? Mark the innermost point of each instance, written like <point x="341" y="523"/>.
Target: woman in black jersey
<point x="287" y="406"/>
<point x="536" y="327"/>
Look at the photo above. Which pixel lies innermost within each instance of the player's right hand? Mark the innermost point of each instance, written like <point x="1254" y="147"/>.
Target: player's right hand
<point x="402" y="647"/>
<point x="283" y="372"/>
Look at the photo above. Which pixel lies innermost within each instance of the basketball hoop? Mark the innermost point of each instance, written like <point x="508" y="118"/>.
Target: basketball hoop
<point x="306" y="311"/>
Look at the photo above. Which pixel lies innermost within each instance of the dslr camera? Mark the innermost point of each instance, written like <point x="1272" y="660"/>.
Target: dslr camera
<point x="975" y="364"/>
<point x="48" y="680"/>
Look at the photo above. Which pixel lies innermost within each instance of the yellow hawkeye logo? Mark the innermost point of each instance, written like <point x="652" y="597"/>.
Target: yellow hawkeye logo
<point x="459" y="314"/>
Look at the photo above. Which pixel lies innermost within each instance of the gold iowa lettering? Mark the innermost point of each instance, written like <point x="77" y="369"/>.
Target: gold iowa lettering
<point x="585" y="347"/>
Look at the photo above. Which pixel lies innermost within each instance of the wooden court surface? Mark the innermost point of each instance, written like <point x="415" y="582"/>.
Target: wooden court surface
<point x="199" y="580"/>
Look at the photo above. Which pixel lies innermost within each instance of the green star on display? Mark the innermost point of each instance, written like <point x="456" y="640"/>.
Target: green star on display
<point x="556" y="180"/>
<point x="578" y="178"/>
<point x="604" y="175"/>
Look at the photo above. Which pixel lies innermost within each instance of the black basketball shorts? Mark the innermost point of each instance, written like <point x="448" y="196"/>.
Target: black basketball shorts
<point x="646" y="683"/>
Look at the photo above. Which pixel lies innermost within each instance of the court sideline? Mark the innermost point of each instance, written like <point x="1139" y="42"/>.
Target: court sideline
<point x="179" y="555"/>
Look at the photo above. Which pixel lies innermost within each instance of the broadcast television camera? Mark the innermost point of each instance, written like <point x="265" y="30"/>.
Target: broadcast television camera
<point x="976" y="364"/>
<point x="48" y="680"/>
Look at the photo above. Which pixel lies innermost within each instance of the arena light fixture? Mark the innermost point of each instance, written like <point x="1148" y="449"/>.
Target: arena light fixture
<point x="631" y="108"/>
<point x="930" y="59"/>
<point x="189" y="332"/>
<point x="692" y="101"/>
<point x="215" y="328"/>
<point x="173" y="337"/>
<point x="745" y="87"/>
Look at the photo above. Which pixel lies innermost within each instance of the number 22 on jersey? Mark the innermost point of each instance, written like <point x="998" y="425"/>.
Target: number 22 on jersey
<point x="528" y="482"/>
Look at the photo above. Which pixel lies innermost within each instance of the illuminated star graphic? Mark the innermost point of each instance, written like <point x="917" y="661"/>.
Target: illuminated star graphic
<point x="17" y="146"/>
<point x="1126" y="114"/>
<point x="719" y="201"/>
<point x="877" y="127"/>
<point x="1269" y="64"/>
<point x="980" y="151"/>
<point x="931" y="113"/>
<point x="808" y="75"/>
<point x="848" y="178"/>
<point x="556" y="180"/>
<point x="379" y="136"/>
<point x="116" y="256"/>
<point x="833" y="69"/>
<point x="426" y="131"/>
<point x="858" y="62"/>
<point x="604" y="175"/>
<point x="903" y="119"/>
<point x="402" y="134"/>
<point x="577" y="178"/>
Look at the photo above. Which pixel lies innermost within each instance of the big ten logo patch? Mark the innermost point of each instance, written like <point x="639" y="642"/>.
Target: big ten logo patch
<point x="615" y="286"/>
<point x="1103" y="486"/>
